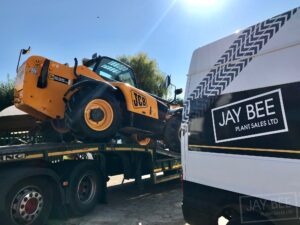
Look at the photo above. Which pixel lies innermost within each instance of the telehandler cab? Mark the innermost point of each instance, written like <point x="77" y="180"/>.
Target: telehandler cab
<point x="95" y="101"/>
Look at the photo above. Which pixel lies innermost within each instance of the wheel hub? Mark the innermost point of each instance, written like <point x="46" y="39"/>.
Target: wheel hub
<point x="141" y="140"/>
<point x="96" y="115"/>
<point x="27" y="205"/>
<point x="31" y="205"/>
<point x="86" y="189"/>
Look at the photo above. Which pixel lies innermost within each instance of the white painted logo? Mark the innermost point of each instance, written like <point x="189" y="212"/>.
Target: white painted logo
<point x="259" y="115"/>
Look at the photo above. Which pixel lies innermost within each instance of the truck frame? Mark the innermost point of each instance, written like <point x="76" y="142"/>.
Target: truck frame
<point x="70" y="179"/>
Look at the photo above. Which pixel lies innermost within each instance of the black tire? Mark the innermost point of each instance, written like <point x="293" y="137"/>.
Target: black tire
<point x="172" y="134"/>
<point x="85" y="189"/>
<point x="30" y="199"/>
<point x="75" y="116"/>
<point x="139" y="139"/>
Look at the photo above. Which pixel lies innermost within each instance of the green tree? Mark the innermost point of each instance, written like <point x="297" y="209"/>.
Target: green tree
<point x="148" y="76"/>
<point x="6" y="93"/>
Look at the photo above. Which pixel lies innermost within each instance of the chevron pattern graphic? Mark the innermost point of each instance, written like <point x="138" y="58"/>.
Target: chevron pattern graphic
<point x="231" y="63"/>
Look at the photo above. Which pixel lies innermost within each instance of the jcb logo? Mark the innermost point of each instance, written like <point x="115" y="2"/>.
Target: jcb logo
<point x="138" y="100"/>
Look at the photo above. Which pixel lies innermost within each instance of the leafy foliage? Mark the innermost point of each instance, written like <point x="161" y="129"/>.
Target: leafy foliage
<point x="6" y="94"/>
<point x="148" y="76"/>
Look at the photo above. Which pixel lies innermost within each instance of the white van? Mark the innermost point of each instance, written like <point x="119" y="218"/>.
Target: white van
<point x="241" y="127"/>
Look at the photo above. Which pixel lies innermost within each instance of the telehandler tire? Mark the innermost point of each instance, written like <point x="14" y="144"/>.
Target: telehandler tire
<point x="141" y="140"/>
<point x="92" y="117"/>
<point x="172" y="134"/>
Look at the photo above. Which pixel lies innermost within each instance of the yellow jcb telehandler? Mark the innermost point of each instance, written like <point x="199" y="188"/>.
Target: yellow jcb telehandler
<point x="95" y="101"/>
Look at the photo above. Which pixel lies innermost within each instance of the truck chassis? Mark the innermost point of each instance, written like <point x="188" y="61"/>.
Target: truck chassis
<point x="70" y="179"/>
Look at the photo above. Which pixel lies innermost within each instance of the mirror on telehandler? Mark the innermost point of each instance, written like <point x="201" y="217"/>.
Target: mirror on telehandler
<point x="167" y="81"/>
<point x="94" y="56"/>
<point x="22" y="52"/>
<point x="178" y="91"/>
<point x="87" y="61"/>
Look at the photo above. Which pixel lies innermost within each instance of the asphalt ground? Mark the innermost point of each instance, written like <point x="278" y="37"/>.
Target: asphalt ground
<point x="129" y="205"/>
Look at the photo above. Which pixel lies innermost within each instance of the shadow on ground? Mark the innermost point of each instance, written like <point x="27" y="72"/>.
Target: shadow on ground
<point x="127" y="205"/>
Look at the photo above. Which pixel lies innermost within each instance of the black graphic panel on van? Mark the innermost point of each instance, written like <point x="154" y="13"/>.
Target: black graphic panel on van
<point x="259" y="115"/>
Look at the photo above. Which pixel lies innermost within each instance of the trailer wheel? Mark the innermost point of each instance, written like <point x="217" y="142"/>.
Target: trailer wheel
<point x="29" y="203"/>
<point x="85" y="188"/>
<point x="172" y="134"/>
<point x="93" y="117"/>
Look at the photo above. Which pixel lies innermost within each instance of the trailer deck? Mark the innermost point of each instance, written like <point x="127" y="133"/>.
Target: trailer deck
<point x="163" y="160"/>
<point x="70" y="178"/>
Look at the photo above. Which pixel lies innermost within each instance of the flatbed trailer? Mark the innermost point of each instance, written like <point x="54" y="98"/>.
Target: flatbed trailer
<point x="70" y="179"/>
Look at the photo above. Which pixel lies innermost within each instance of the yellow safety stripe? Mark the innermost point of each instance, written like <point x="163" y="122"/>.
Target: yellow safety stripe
<point x="72" y="152"/>
<point x="34" y="156"/>
<point x="248" y="149"/>
<point x="178" y="166"/>
<point x="125" y="149"/>
<point x="128" y="149"/>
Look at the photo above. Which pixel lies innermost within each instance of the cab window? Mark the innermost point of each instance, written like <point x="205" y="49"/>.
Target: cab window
<point x="113" y="70"/>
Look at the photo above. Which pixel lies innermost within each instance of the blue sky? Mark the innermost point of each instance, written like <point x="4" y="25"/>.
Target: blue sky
<point x="167" y="30"/>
